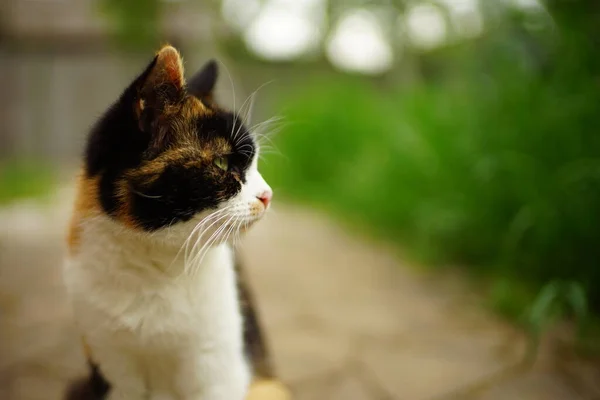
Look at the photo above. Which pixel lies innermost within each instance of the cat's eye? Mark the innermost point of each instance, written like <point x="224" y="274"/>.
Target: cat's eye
<point x="222" y="163"/>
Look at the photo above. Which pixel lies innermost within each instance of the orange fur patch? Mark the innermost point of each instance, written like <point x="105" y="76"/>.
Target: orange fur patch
<point x="86" y="205"/>
<point x="124" y="194"/>
<point x="87" y="351"/>
<point x="268" y="390"/>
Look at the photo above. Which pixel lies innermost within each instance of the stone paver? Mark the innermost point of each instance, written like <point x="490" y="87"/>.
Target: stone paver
<point x="532" y="386"/>
<point x="345" y="318"/>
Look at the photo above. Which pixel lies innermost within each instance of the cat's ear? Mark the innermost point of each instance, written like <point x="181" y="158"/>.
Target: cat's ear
<point x="202" y="84"/>
<point x="161" y="84"/>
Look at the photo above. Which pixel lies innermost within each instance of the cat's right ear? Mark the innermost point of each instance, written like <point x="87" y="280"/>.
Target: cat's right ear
<point x="202" y="84"/>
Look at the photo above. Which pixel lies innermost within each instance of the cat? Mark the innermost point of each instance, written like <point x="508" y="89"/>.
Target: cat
<point x="168" y="178"/>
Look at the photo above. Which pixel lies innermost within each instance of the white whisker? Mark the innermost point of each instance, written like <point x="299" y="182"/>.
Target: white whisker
<point x="199" y="257"/>
<point x="204" y="221"/>
<point x="200" y="236"/>
<point x="208" y="219"/>
<point x="271" y="120"/>
<point x="144" y="195"/>
<point x="195" y="230"/>
<point x="233" y="93"/>
<point x="249" y="110"/>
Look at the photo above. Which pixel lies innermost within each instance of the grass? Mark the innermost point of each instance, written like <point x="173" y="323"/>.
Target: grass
<point x="22" y="179"/>
<point x="497" y="169"/>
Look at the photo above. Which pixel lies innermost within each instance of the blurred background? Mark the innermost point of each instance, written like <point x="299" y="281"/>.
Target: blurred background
<point x="436" y="170"/>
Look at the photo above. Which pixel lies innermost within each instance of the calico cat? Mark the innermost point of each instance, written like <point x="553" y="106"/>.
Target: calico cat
<point x="169" y="177"/>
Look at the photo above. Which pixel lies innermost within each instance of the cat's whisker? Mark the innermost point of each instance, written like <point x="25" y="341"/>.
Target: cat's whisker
<point x="235" y="234"/>
<point x="246" y="223"/>
<point x="186" y="245"/>
<point x="228" y="227"/>
<point x="195" y="230"/>
<point x="268" y="147"/>
<point x="271" y="120"/>
<point x="200" y="236"/>
<point x="203" y="222"/>
<point x="208" y="219"/>
<point x="235" y="138"/>
<point x="231" y="229"/>
<point x="199" y="257"/>
<point x="271" y="151"/>
<point x="267" y="128"/>
<point x="251" y="98"/>
<point x="233" y="94"/>
<point x="216" y="232"/>
<point x="249" y="110"/>
<point x="248" y="146"/>
<point x="143" y="194"/>
<point x="253" y="95"/>
<point x="247" y="152"/>
<point x="237" y="238"/>
<point x="264" y="139"/>
<point x="263" y="153"/>
<point x="267" y="134"/>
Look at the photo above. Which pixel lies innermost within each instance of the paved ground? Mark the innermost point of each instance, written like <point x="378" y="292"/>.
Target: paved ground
<point x="346" y="319"/>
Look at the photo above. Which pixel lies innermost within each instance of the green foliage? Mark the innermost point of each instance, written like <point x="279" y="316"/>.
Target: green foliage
<point x="555" y="301"/>
<point x="495" y="165"/>
<point x="23" y="179"/>
<point x="136" y="22"/>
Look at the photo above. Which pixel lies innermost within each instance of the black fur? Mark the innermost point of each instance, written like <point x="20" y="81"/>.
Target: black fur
<point x="120" y="142"/>
<point x="93" y="387"/>
<point x="255" y="345"/>
<point x="202" y="84"/>
<point x="180" y="192"/>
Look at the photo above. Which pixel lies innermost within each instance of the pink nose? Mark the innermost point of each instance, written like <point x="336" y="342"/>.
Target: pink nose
<point x="265" y="197"/>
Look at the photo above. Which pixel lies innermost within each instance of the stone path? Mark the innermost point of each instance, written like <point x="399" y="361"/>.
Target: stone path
<point x="345" y="318"/>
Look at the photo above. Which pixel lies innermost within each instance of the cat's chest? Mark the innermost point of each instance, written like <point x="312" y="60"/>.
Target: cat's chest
<point x="182" y="308"/>
<point x="198" y="306"/>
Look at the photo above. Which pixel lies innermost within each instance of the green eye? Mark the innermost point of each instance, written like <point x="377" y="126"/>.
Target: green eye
<point x="222" y="163"/>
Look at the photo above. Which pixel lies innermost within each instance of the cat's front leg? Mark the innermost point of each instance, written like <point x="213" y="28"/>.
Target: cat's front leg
<point x="216" y="393"/>
<point x="213" y="377"/>
<point x="117" y="393"/>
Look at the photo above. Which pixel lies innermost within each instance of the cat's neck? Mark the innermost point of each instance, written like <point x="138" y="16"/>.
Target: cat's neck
<point x="104" y="239"/>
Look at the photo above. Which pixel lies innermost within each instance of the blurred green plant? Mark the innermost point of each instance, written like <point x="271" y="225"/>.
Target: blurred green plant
<point x="557" y="300"/>
<point x="23" y="179"/>
<point x="136" y="22"/>
<point x="491" y="161"/>
<point x="494" y="164"/>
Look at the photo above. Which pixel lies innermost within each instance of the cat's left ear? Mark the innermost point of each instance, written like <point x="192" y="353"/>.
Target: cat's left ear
<point x="202" y="84"/>
<point x="161" y="84"/>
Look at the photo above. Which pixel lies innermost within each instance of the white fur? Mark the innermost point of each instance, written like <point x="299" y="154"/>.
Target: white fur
<point x="158" y="328"/>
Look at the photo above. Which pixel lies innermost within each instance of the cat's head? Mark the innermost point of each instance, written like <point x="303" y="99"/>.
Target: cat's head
<point x="165" y="157"/>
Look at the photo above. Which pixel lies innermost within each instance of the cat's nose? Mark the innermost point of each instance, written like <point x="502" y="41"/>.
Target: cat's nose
<point x="265" y="197"/>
